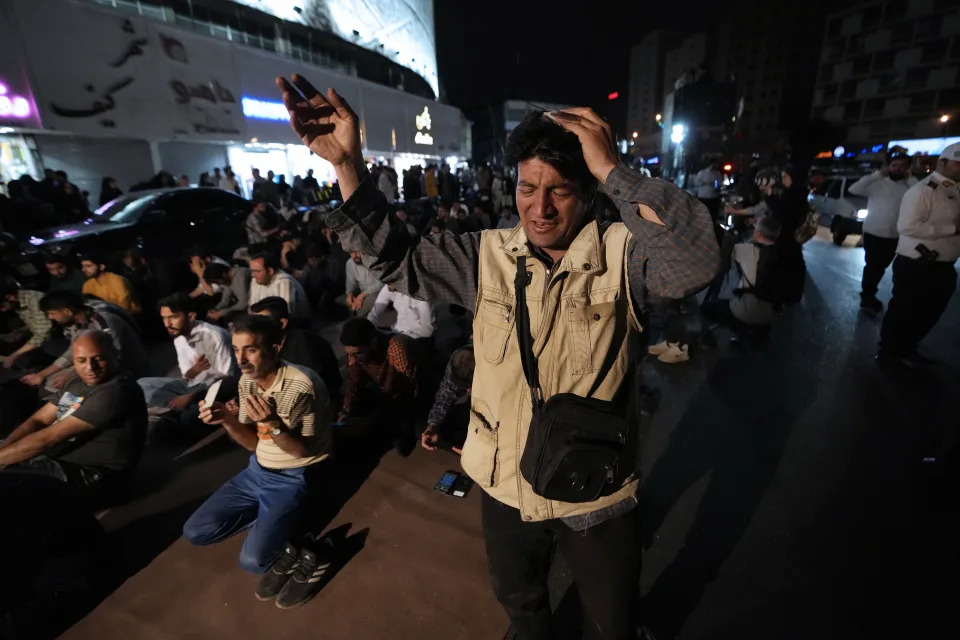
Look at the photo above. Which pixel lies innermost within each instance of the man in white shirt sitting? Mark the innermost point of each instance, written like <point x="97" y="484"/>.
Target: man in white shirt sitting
<point x="745" y="313"/>
<point x="924" y="271"/>
<point x="415" y="318"/>
<point x="362" y="286"/>
<point x="884" y="191"/>
<point x="269" y="280"/>
<point x="204" y="355"/>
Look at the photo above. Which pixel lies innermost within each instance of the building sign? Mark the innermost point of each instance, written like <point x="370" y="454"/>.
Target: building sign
<point x="423" y="126"/>
<point x="264" y="109"/>
<point x="13" y="106"/>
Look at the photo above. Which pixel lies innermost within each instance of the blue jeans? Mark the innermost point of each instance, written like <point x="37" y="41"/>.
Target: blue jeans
<point x="266" y="500"/>
<point x="159" y="391"/>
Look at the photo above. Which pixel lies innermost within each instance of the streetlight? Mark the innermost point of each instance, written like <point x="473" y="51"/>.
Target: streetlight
<point x="659" y="117"/>
<point x="678" y="133"/>
<point x="635" y="134"/>
<point x="944" y="119"/>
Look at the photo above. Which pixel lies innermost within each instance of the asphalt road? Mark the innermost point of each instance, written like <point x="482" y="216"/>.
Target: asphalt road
<point x="785" y="494"/>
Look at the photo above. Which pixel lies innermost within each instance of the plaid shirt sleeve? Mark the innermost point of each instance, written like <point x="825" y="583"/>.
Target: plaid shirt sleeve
<point x="401" y="378"/>
<point x="35" y="319"/>
<point x="446" y="396"/>
<point x="438" y="268"/>
<point x="669" y="261"/>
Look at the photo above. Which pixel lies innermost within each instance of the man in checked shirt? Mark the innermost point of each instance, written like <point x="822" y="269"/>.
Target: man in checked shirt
<point x="588" y="288"/>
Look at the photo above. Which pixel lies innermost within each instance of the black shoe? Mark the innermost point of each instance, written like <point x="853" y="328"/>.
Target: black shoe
<point x="404" y="445"/>
<point x="308" y="578"/>
<point x="917" y="360"/>
<point x="278" y="575"/>
<point x="910" y="361"/>
<point x="708" y="342"/>
<point x="870" y="303"/>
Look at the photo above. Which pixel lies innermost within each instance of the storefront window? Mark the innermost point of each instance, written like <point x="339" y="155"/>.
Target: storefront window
<point x="15" y="160"/>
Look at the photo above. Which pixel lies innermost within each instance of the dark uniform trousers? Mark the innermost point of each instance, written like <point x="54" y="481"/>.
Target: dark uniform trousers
<point x="878" y="254"/>
<point x="921" y="291"/>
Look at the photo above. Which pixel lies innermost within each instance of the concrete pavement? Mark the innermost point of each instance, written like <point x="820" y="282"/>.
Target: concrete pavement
<point x="784" y="498"/>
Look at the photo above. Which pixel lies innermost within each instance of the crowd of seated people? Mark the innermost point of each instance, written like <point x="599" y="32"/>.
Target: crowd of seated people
<point x="103" y="367"/>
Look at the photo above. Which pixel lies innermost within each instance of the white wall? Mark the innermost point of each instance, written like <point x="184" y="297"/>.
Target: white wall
<point x="88" y="160"/>
<point x="116" y="74"/>
<point x="192" y="158"/>
<point x="405" y="28"/>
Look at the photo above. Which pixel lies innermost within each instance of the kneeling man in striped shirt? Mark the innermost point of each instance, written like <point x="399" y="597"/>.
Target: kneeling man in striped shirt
<point x="284" y="419"/>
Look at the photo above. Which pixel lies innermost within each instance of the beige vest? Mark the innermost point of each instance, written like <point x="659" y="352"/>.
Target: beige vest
<point x="580" y="317"/>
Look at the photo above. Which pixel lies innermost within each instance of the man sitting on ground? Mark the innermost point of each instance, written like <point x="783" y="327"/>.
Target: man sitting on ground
<point x="269" y="280"/>
<point x="234" y="284"/>
<point x="450" y="416"/>
<point x="381" y="379"/>
<point x="204" y="355"/>
<point x="284" y="419"/>
<point x="75" y="316"/>
<point x="91" y="436"/>
<point x="62" y="275"/>
<point x="745" y="312"/>
<point x="508" y="219"/>
<point x="263" y="222"/>
<point x="362" y="286"/>
<point x="322" y="279"/>
<point x="107" y="285"/>
<point x="199" y="261"/>
<point x="22" y="346"/>
<point x="415" y="318"/>
<point x="303" y="347"/>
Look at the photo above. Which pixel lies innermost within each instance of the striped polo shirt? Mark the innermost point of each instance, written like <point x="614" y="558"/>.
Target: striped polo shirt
<point x="304" y="407"/>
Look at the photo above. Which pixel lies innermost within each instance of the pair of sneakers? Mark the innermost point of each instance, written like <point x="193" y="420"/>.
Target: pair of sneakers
<point x="670" y="352"/>
<point x="297" y="575"/>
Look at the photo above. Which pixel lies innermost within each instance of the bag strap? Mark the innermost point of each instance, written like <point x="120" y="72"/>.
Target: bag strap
<point x="524" y="336"/>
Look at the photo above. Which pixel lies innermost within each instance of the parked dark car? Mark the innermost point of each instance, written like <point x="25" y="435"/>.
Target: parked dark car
<point x="164" y="224"/>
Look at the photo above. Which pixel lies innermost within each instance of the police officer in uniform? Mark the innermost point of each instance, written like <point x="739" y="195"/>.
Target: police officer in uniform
<point x="924" y="277"/>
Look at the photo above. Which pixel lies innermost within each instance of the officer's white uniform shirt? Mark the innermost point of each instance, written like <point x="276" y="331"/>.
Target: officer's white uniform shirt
<point x="930" y="215"/>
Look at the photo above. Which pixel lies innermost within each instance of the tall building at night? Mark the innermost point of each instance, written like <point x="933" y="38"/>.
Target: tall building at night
<point x="656" y="63"/>
<point x="645" y="94"/>
<point x="770" y="50"/>
<point x="889" y="71"/>
<point x="400" y="30"/>
<point x="186" y="86"/>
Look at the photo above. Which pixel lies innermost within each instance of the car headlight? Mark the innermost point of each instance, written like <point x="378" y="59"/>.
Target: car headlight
<point x="862" y="214"/>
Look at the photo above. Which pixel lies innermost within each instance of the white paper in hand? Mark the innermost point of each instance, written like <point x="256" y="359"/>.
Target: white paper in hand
<point x="212" y="393"/>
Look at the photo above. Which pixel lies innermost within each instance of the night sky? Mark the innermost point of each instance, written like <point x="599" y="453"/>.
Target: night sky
<point x="554" y="51"/>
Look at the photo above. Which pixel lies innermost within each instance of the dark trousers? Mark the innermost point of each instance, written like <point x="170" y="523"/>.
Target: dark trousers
<point x="921" y="291"/>
<point x="878" y="253"/>
<point x="718" y="312"/>
<point x="85" y="481"/>
<point x="604" y="560"/>
<point x="713" y="206"/>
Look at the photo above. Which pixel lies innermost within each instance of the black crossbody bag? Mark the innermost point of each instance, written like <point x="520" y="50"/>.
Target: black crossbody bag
<point x="578" y="449"/>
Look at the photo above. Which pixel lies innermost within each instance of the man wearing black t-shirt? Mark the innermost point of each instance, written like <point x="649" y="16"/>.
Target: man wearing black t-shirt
<point x="91" y="436"/>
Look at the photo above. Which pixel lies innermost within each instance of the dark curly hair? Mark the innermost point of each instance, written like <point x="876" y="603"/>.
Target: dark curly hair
<point x="539" y="137"/>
